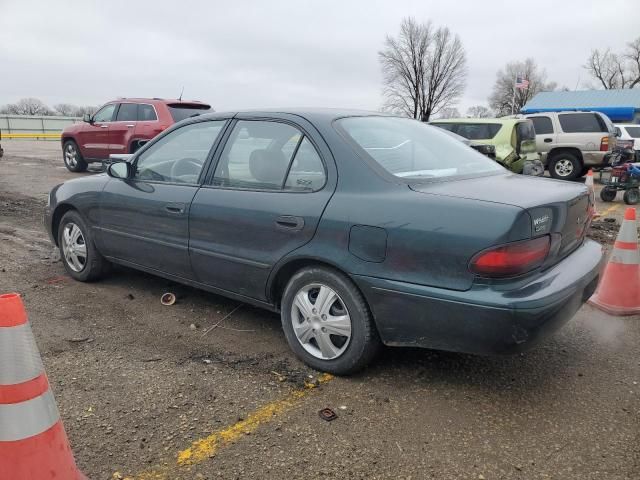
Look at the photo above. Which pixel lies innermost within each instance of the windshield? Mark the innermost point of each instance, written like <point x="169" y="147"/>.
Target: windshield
<point x="180" y="111"/>
<point x="411" y="149"/>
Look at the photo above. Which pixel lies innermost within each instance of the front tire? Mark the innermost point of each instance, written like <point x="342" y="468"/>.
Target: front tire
<point x="608" y="194"/>
<point x="565" y="166"/>
<point x="327" y="322"/>
<point x="72" y="157"/>
<point x="80" y="257"/>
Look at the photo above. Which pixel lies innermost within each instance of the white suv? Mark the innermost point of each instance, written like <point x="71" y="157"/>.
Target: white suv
<point x="572" y="142"/>
<point x="630" y="131"/>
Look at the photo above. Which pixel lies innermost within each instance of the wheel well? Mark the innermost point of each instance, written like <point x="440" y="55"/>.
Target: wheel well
<point x="573" y="151"/>
<point x="288" y="270"/>
<point x="64" y="139"/>
<point x="57" y="216"/>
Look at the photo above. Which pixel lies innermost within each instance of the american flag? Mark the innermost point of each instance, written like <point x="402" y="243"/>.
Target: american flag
<point x="522" y="83"/>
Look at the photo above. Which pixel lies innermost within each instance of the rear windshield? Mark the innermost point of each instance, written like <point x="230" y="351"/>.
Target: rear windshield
<point x="182" y="111"/>
<point x="472" y="131"/>
<point x="413" y="150"/>
<point x="634" y="132"/>
<point x="582" y="123"/>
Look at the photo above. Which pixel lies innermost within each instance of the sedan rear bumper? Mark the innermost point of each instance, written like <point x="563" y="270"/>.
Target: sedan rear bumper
<point x="487" y="319"/>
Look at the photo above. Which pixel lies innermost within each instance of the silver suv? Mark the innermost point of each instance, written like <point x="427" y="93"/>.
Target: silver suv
<point x="570" y="143"/>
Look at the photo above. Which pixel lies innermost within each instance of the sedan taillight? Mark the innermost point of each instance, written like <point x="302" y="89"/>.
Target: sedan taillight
<point x="511" y="259"/>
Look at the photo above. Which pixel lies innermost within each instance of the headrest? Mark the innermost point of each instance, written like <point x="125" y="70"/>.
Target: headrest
<point x="268" y="166"/>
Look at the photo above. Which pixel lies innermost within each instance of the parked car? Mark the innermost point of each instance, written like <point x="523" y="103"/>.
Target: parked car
<point x="121" y="127"/>
<point x="483" y="148"/>
<point x="573" y="142"/>
<point x="513" y="139"/>
<point x="361" y="229"/>
<point x="630" y="134"/>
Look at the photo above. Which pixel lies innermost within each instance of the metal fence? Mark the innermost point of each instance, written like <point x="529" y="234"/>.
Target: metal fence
<point x="34" y="126"/>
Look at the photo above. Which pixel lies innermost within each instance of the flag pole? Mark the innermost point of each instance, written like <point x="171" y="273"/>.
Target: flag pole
<point x="513" y="99"/>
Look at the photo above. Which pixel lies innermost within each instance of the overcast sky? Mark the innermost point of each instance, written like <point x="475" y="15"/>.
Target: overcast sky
<point x="271" y="53"/>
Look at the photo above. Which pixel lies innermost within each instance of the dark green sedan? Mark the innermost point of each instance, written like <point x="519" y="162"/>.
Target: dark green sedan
<point x="361" y="229"/>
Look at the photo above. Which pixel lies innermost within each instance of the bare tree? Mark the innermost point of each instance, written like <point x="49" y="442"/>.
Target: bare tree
<point x="449" y="112"/>
<point x="424" y="69"/>
<point x="80" y="111"/>
<point x="502" y="96"/>
<point x="28" y="106"/>
<point x="479" y="111"/>
<point x="65" y="109"/>
<point x="614" y="70"/>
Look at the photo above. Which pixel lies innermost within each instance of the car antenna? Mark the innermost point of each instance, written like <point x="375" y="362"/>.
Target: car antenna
<point x="181" y="92"/>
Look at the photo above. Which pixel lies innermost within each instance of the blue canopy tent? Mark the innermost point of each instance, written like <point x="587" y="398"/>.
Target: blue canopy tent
<point x="621" y="106"/>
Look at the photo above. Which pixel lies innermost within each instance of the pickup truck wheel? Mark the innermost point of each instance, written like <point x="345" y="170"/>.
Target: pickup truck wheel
<point x="327" y="321"/>
<point x="565" y="166"/>
<point x="80" y="257"/>
<point x="72" y="157"/>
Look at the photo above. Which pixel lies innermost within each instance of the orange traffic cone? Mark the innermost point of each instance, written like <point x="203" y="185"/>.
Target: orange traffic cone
<point x="619" y="290"/>
<point x="33" y="443"/>
<point x="592" y="192"/>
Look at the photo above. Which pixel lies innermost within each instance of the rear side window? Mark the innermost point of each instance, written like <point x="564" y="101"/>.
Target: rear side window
<point x="180" y="111"/>
<point x="128" y="112"/>
<point x="260" y="155"/>
<point x="472" y="131"/>
<point x="581" y="123"/>
<point x="146" y="113"/>
<point x="542" y="125"/>
<point x="634" y="132"/>
<point x="525" y="131"/>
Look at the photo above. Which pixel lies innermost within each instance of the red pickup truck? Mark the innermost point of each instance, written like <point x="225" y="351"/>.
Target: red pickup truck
<point x="122" y="126"/>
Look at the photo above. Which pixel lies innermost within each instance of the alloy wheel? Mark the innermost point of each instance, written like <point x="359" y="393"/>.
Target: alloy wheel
<point x="71" y="155"/>
<point x="74" y="247"/>
<point x="564" y="167"/>
<point x="321" y="321"/>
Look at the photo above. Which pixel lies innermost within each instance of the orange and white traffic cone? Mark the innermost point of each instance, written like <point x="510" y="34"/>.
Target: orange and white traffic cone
<point x="619" y="290"/>
<point x="33" y="443"/>
<point x="592" y="192"/>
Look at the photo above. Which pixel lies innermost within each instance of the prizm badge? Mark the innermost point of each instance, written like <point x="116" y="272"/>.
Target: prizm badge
<point x="540" y="223"/>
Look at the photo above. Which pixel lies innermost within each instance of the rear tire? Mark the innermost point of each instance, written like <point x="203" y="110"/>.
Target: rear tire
<point x="344" y="310"/>
<point x="72" y="157"/>
<point x="80" y="257"/>
<point x="608" y="194"/>
<point x="632" y="196"/>
<point x="565" y="166"/>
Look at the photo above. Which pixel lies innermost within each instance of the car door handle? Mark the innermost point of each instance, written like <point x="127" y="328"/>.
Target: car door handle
<point x="548" y="140"/>
<point x="175" y="208"/>
<point x="289" y="222"/>
<point x="104" y="126"/>
<point x="130" y="126"/>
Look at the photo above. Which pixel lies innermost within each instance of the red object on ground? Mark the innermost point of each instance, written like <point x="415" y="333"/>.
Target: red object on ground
<point x="33" y="443"/>
<point x="619" y="290"/>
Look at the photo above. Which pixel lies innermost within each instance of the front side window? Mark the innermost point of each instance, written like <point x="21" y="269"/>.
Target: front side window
<point x="582" y="123"/>
<point x="128" y="112"/>
<point x="262" y="154"/>
<point x="105" y="114"/>
<point x="542" y="125"/>
<point x="179" y="156"/>
<point x="413" y="150"/>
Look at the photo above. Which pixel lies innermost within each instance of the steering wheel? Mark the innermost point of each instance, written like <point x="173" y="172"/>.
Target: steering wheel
<point x="190" y="164"/>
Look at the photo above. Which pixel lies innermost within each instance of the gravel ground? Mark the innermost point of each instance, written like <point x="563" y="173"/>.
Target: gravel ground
<point x="137" y="382"/>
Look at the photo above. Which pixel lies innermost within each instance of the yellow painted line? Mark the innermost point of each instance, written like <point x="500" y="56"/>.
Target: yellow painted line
<point x="204" y="448"/>
<point x="610" y="209"/>
<point x="30" y="135"/>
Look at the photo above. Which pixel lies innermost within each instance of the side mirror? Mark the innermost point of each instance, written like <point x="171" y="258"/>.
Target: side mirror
<point x="86" y="118"/>
<point x="121" y="170"/>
